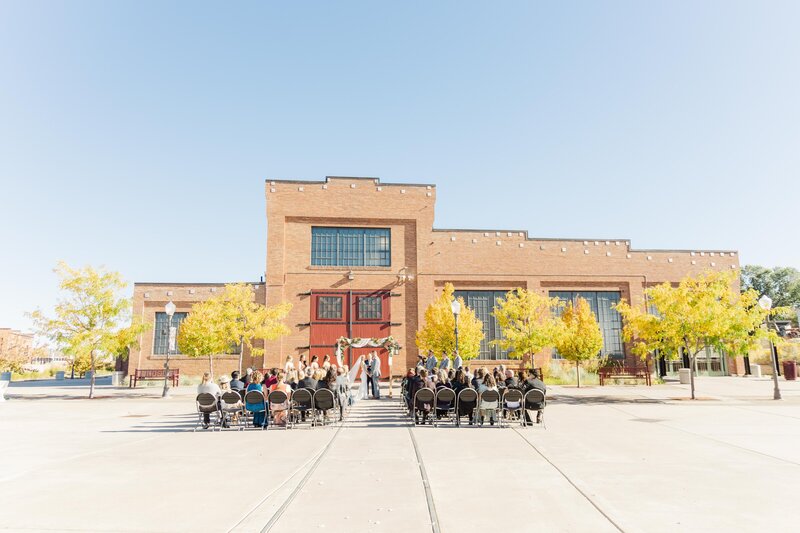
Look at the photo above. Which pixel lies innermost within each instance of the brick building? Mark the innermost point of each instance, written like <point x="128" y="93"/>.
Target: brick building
<point x="361" y="258"/>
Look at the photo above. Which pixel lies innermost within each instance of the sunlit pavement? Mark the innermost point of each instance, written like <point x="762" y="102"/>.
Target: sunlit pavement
<point x="630" y="458"/>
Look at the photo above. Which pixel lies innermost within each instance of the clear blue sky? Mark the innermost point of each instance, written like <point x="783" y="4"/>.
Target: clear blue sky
<point x="138" y="135"/>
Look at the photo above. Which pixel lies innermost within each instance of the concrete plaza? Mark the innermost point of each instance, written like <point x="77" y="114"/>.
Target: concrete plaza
<point x="617" y="458"/>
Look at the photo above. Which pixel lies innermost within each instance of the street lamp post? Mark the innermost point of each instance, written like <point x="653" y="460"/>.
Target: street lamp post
<point x="456" y="307"/>
<point x="169" y="309"/>
<point x="765" y="302"/>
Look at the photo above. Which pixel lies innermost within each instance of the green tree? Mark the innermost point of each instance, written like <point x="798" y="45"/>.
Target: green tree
<point x="202" y="332"/>
<point x="91" y="320"/>
<point x="438" y="333"/>
<point x="527" y="323"/>
<point x="702" y="311"/>
<point x="782" y="284"/>
<point x="243" y="320"/>
<point x="579" y="338"/>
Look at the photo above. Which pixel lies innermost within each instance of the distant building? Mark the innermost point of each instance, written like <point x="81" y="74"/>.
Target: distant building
<point x="15" y="344"/>
<point x="361" y="258"/>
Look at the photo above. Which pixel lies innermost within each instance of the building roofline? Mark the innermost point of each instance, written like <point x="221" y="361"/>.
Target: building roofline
<point x="203" y="284"/>
<point x="566" y="239"/>
<point x="328" y="179"/>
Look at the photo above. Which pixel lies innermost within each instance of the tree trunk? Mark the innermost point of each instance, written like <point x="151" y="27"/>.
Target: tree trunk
<point x="578" y="372"/>
<point x="91" y="381"/>
<point x="692" y="359"/>
<point x="211" y="365"/>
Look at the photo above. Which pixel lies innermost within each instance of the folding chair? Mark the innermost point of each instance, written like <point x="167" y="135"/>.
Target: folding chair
<point x="422" y="398"/>
<point x="302" y="402"/>
<point x="511" y="398"/>
<point x="534" y="401"/>
<point x="445" y="401"/>
<point x="255" y="402"/>
<point x="467" y="402"/>
<point x="324" y="401"/>
<point x="489" y="396"/>
<point x="278" y="401"/>
<point x="206" y="405"/>
<point x="232" y="405"/>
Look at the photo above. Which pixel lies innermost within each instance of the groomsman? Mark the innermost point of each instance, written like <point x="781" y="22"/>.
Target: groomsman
<point x="457" y="363"/>
<point x="430" y="364"/>
<point x="445" y="363"/>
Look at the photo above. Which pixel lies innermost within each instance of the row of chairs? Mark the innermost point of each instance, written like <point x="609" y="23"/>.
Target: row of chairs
<point x="313" y="406"/>
<point x="444" y="404"/>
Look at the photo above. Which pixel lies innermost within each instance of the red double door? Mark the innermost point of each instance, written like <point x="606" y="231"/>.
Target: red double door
<point x="350" y="314"/>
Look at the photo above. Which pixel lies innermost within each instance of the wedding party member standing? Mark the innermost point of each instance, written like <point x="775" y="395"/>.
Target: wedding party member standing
<point x="457" y="361"/>
<point x="375" y="378"/>
<point x="445" y="364"/>
<point x="289" y="366"/>
<point x="430" y="364"/>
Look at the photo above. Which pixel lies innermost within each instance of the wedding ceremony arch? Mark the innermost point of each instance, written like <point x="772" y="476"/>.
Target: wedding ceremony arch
<point x="389" y="343"/>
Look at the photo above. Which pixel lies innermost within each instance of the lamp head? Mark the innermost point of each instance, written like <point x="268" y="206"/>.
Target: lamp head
<point x="456" y="307"/>
<point x="765" y="302"/>
<point x="169" y="308"/>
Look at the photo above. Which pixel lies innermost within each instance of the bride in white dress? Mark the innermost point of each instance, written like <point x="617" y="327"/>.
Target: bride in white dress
<point x="359" y="370"/>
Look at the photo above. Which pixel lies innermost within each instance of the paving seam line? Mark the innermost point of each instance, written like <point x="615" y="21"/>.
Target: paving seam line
<point x="712" y="439"/>
<point x="283" y="483"/>
<point x="425" y="484"/>
<point x="299" y="487"/>
<point x="565" y="476"/>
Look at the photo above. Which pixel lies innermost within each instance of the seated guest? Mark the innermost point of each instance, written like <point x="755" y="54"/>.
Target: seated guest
<point x="308" y="382"/>
<point x="259" y="414"/>
<point x="416" y="385"/>
<point x="319" y="374"/>
<point x="248" y="374"/>
<point x="460" y="381"/>
<point x="442" y="379"/>
<point x="343" y="385"/>
<point x="207" y="385"/>
<point x="291" y="379"/>
<point x="327" y="381"/>
<point x="271" y="378"/>
<point x="279" y="410"/>
<point x="477" y="379"/>
<point x="534" y="381"/>
<point x="224" y="386"/>
<point x="511" y="380"/>
<point x="236" y="383"/>
<point x="488" y="384"/>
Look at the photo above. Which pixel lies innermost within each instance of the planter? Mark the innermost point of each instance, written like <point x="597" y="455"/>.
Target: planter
<point x="685" y="375"/>
<point x="755" y="370"/>
<point x="88" y="375"/>
<point x="60" y="375"/>
<point x="5" y="376"/>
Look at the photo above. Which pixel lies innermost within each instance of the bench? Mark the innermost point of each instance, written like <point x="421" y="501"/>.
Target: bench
<point x="621" y="371"/>
<point x="143" y="374"/>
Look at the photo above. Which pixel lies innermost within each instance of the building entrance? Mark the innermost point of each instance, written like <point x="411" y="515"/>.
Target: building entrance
<point x="351" y="314"/>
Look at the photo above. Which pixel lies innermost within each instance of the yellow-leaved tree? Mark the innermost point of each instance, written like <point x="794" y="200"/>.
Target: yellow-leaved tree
<point x="92" y="321"/>
<point x="244" y="320"/>
<point x="202" y="332"/>
<point x="527" y="322"/>
<point x="702" y="311"/>
<point x="579" y="338"/>
<point x="438" y="333"/>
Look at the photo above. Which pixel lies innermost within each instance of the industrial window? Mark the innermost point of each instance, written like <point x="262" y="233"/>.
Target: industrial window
<point x="369" y="308"/>
<point x="329" y="308"/>
<point x="161" y="333"/>
<point x="350" y="246"/>
<point x="483" y="303"/>
<point x="610" y="321"/>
